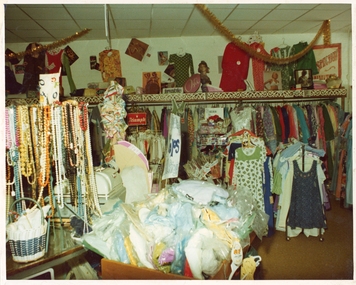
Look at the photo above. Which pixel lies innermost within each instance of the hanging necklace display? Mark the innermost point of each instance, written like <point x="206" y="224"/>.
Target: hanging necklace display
<point x="25" y="148"/>
<point x="44" y="145"/>
<point x="14" y="155"/>
<point x="58" y="148"/>
<point x="9" y="183"/>
<point x="70" y="170"/>
<point x="81" y="177"/>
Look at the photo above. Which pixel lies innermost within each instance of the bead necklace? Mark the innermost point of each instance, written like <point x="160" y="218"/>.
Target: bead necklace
<point x="35" y="143"/>
<point x="14" y="155"/>
<point x="91" y="173"/>
<point x="7" y="129"/>
<point x="81" y="176"/>
<point x="8" y="183"/>
<point x="25" y="148"/>
<point x="57" y="152"/>
<point x="73" y="157"/>
<point x="83" y="117"/>
<point x="44" y="124"/>
<point x="70" y="170"/>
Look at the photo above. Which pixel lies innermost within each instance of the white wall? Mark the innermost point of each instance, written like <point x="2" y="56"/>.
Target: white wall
<point x="201" y="48"/>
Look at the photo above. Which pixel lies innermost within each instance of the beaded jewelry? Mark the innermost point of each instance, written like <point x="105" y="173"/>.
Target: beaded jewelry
<point x="44" y="133"/>
<point x="25" y="148"/>
<point x="91" y="173"/>
<point x="14" y="155"/>
<point x="7" y="129"/>
<point x="34" y="133"/>
<point x="8" y="182"/>
<point x="57" y="153"/>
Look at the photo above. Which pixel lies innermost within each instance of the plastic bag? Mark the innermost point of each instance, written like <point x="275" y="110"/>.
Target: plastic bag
<point x="199" y="192"/>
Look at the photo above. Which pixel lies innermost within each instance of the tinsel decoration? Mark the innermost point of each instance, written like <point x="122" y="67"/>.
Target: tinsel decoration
<point x="326" y="34"/>
<point x="51" y="46"/>
<point x="325" y="30"/>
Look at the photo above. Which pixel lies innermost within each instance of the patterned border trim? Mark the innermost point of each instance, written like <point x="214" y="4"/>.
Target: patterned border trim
<point x="203" y="97"/>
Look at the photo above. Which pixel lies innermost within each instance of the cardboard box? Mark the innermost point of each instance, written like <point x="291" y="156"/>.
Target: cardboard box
<point x="115" y="270"/>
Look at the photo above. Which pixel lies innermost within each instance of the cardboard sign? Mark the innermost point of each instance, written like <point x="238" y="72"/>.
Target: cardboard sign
<point x="192" y="84"/>
<point x="172" y="158"/>
<point x="136" y="119"/>
<point x="217" y="113"/>
<point x="49" y="88"/>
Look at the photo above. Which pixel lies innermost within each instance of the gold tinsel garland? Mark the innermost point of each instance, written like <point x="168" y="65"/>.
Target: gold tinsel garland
<point x="51" y="46"/>
<point x="325" y="30"/>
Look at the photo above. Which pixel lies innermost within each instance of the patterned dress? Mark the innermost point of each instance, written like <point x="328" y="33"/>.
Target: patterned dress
<point x="285" y="69"/>
<point x="306" y="210"/>
<point x="248" y="172"/>
<point x="258" y="66"/>
<point x="182" y="66"/>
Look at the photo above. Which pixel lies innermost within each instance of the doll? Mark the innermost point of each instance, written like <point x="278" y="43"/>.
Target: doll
<point x="203" y="69"/>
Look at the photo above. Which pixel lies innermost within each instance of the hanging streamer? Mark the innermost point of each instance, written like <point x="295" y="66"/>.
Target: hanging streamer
<point x="325" y="30"/>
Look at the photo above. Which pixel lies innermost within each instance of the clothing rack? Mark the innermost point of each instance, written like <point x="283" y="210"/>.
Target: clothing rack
<point x="164" y="99"/>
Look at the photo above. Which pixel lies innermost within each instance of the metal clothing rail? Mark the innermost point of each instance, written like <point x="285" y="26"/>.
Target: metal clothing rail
<point x="212" y="97"/>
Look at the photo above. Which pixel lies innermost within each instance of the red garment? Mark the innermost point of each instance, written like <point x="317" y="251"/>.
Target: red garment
<point x="292" y="127"/>
<point x="322" y="141"/>
<point x="340" y="174"/>
<point x="235" y="64"/>
<point x="54" y="62"/>
<point x="280" y="116"/>
<point x="258" y="66"/>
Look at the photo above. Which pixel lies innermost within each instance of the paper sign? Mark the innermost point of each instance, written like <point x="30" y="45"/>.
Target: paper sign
<point x="172" y="158"/>
<point x="136" y="119"/>
<point x="214" y="113"/>
<point x="49" y="88"/>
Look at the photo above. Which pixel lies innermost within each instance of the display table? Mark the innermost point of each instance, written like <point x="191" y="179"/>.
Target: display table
<point x="61" y="248"/>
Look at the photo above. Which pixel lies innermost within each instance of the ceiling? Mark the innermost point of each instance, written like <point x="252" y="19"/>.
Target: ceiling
<point x="25" y="23"/>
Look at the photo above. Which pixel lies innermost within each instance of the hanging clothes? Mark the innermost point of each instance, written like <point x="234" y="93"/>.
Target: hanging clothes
<point x="286" y="168"/>
<point x="34" y="63"/>
<point x="270" y="129"/>
<point x="258" y="66"/>
<point x="285" y="69"/>
<point x="235" y="65"/>
<point x="183" y="67"/>
<point x="307" y="61"/>
<point x="268" y="198"/>
<point x="349" y="178"/>
<point x="56" y="61"/>
<point x="248" y="165"/>
<point x="306" y="210"/>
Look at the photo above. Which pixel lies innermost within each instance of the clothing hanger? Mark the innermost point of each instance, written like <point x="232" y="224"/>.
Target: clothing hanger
<point x="283" y="44"/>
<point x="246" y="141"/>
<point x="241" y="132"/>
<point x="181" y="52"/>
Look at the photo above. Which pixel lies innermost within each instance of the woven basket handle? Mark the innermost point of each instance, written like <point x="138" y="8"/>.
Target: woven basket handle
<point x="32" y="200"/>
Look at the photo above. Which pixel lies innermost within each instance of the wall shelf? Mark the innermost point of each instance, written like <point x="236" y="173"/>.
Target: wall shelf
<point x="210" y="97"/>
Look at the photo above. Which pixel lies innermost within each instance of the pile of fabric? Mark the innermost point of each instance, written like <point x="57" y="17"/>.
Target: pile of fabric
<point x="188" y="228"/>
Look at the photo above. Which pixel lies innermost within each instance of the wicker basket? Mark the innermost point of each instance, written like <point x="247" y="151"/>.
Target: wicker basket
<point x="30" y="244"/>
